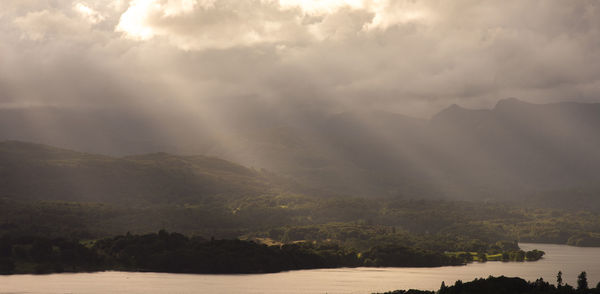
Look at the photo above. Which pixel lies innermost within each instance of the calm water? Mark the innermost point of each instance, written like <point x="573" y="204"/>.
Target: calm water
<point x="571" y="260"/>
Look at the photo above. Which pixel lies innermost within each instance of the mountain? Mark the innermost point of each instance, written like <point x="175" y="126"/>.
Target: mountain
<point x="513" y="150"/>
<point x="334" y="153"/>
<point x="520" y="145"/>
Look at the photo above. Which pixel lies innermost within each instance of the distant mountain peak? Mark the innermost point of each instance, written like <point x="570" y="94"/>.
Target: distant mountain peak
<point x="510" y="103"/>
<point x="452" y="109"/>
<point x="454" y="112"/>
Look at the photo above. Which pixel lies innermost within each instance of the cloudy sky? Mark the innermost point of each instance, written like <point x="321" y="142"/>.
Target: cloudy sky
<point x="408" y="56"/>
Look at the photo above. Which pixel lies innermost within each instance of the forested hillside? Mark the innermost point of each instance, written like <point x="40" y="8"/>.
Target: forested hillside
<point x="55" y="192"/>
<point x="51" y="193"/>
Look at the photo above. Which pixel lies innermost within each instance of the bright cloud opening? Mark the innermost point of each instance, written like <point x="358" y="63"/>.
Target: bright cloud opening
<point x="199" y="24"/>
<point x="322" y="6"/>
<point x="133" y="21"/>
<point x="88" y="13"/>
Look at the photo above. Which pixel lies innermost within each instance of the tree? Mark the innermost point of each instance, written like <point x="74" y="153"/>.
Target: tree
<point x="7" y="266"/>
<point x="443" y="288"/>
<point x="482" y="257"/>
<point x="559" y="280"/>
<point x="458" y="286"/>
<point x="582" y="283"/>
<point x="41" y="250"/>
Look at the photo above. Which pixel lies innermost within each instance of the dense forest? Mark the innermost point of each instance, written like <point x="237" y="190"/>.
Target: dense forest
<point x="176" y="253"/>
<point x="506" y="285"/>
<point x="432" y="224"/>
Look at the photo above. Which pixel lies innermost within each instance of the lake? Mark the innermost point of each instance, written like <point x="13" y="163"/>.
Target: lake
<point x="570" y="260"/>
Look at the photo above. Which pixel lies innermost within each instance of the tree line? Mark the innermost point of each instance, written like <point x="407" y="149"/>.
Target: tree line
<point x="177" y="253"/>
<point x="506" y="285"/>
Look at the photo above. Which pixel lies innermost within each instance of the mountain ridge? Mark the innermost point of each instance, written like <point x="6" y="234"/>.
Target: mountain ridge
<point x="513" y="149"/>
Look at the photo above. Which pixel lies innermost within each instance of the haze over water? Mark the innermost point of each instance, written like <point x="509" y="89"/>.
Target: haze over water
<point x="570" y="260"/>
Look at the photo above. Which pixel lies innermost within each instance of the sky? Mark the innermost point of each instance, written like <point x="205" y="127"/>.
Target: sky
<point x="211" y="56"/>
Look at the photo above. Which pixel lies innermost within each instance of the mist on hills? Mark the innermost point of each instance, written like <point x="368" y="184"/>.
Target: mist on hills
<point x="513" y="150"/>
<point x="343" y="97"/>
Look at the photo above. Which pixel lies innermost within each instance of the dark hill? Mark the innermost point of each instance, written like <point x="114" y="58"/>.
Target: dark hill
<point x="38" y="172"/>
